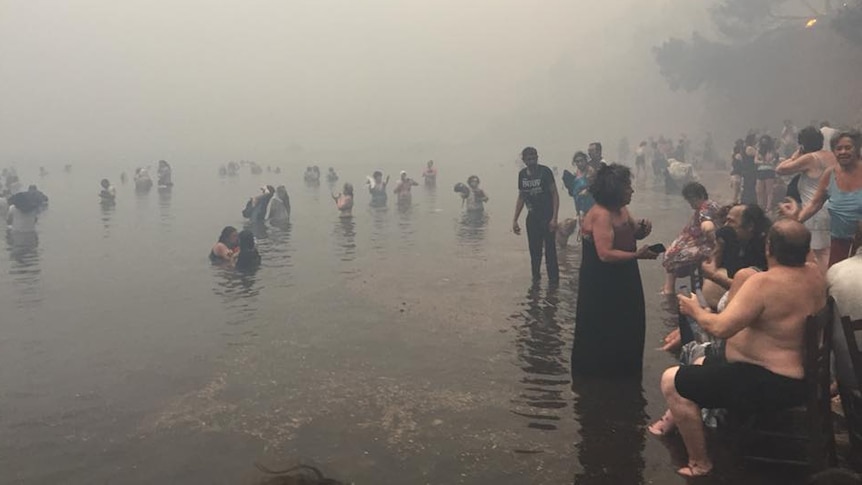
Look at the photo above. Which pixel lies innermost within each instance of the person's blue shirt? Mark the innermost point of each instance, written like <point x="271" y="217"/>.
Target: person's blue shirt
<point x="583" y="198"/>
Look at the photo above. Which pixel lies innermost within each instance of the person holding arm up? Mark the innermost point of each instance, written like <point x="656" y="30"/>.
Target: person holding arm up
<point x="842" y="186"/>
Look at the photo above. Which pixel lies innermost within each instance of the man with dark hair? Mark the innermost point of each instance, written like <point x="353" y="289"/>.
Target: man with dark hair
<point x="741" y="243"/>
<point x="595" y="153"/>
<point x="761" y="366"/>
<point x="538" y="190"/>
<point x="694" y="191"/>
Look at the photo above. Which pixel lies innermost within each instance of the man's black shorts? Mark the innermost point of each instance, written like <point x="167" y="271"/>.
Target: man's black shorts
<point x="736" y="385"/>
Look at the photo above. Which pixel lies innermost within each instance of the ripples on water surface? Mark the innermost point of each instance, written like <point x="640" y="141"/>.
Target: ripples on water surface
<point x="402" y="345"/>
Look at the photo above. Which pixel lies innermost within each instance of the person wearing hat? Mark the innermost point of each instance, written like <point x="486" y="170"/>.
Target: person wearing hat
<point x="538" y="191"/>
<point x="402" y="189"/>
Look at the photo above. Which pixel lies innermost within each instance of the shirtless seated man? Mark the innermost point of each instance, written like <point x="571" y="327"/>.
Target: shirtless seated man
<point x="761" y="368"/>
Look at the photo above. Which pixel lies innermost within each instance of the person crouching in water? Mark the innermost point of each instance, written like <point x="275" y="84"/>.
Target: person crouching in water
<point x="344" y="201"/>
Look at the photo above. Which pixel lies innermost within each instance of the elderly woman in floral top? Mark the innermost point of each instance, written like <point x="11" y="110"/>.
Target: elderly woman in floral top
<point x="696" y="241"/>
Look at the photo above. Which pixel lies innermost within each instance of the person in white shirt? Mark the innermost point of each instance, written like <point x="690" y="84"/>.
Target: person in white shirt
<point x="829" y="134"/>
<point x="23" y="213"/>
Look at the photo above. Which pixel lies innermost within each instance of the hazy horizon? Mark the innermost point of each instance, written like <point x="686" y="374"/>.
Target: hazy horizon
<point x="199" y="80"/>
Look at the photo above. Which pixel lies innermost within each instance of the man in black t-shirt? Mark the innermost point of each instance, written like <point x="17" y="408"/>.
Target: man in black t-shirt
<point x="537" y="189"/>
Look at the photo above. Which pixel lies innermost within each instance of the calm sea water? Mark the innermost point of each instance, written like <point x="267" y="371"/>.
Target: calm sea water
<point x="402" y="346"/>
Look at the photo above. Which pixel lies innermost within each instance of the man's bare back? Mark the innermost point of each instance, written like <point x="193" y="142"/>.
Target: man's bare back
<point x="779" y="301"/>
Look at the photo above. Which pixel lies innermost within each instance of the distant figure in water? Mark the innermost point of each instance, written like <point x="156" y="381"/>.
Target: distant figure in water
<point x="402" y="189"/>
<point x="312" y="176"/>
<point x="224" y="250"/>
<point x="23" y="212"/>
<point x="344" y="201"/>
<point x="377" y="188"/>
<point x="279" y="206"/>
<point x="232" y="169"/>
<point x="222" y="171"/>
<point x="472" y="197"/>
<point x="143" y="182"/>
<point x="68" y="168"/>
<point x="13" y="184"/>
<point x="164" y="173"/>
<point x="430" y="174"/>
<point x="42" y="172"/>
<point x="331" y="176"/>
<point x="248" y="258"/>
<point x="108" y="195"/>
<point x="124" y="178"/>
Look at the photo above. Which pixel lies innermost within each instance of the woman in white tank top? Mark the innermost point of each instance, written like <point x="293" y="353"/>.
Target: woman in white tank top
<point x="810" y="161"/>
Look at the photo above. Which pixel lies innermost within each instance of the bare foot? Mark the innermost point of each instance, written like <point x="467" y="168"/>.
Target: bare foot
<point x="663" y="426"/>
<point x="694" y="470"/>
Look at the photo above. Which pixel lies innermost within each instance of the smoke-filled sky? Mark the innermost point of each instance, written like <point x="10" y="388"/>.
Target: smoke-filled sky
<point x="108" y="79"/>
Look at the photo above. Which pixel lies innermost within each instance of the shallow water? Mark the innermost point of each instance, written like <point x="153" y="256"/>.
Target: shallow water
<point x="404" y="345"/>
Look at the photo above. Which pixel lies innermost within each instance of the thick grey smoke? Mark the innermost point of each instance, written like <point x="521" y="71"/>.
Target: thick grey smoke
<point x="104" y="80"/>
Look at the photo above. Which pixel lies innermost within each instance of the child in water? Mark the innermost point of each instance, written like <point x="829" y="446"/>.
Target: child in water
<point x="248" y="258"/>
<point x="108" y="194"/>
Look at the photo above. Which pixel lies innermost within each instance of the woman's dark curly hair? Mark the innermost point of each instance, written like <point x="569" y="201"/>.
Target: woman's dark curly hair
<point x="610" y="184"/>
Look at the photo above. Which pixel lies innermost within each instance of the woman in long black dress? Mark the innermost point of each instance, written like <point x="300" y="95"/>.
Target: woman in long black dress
<point x="611" y="318"/>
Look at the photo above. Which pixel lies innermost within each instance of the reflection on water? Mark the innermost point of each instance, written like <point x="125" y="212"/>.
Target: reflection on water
<point x="274" y="244"/>
<point x="379" y="223"/>
<point x="107" y="217"/>
<point x="541" y="343"/>
<point x="471" y="228"/>
<point x="239" y="293"/>
<point x="344" y="236"/>
<point x="166" y="217"/>
<point x="612" y="418"/>
<point x="24" y="267"/>
<point x="405" y="220"/>
<point x="430" y="198"/>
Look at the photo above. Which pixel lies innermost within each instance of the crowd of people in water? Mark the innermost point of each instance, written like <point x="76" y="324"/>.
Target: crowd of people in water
<point x="272" y="206"/>
<point x="759" y="265"/>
